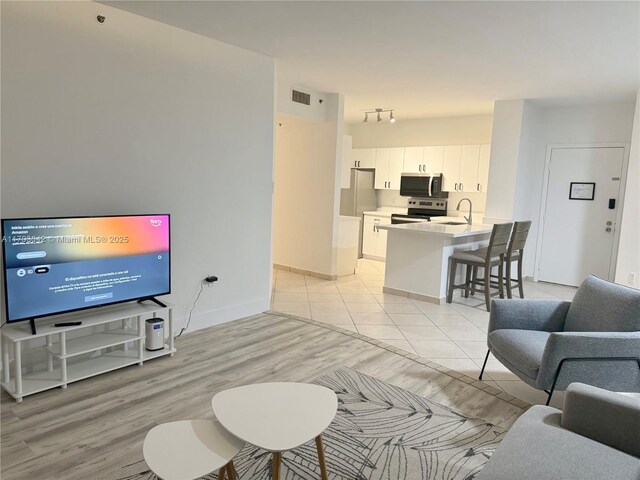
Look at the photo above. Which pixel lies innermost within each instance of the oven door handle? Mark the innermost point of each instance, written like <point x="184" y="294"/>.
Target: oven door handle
<point x="430" y="185"/>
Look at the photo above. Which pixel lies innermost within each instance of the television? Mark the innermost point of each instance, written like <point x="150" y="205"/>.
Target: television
<point x="65" y="264"/>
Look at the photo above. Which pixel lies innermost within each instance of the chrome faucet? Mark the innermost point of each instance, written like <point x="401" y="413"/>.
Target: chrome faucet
<point x="470" y="219"/>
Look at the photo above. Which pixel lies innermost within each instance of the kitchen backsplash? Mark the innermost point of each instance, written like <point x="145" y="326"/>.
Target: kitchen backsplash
<point x="392" y="198"/>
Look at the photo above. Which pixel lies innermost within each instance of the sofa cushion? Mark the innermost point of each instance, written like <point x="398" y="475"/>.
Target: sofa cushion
<point x="537" y="448"/>
<point x="601" y="306"/>
<point x="522" y="348"/>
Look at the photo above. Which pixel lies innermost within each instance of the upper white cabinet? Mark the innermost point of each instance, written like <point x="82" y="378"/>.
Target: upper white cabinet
<point x="382" y="168"/>
<point x="451" y="168"/>
<point x="347" y="162"/>
<point x="433" y="159"/>
<point x="465" y="168"/>
<point x="389" y="165"/>
<point x="413" y="159"/>
<point x="396" y="167"/>
<point x="483" y="168"/>
<point x="469" y="168"/>
<point x="364" y="158"/>
<point x="462" y="168"/>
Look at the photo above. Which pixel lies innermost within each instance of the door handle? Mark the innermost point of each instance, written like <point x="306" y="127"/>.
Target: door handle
<point x="608" y="229"/>
<point x="609" y="223"/>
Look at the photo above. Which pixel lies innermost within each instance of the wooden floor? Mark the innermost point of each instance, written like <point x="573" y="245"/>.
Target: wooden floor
<point x="98" y="425"/>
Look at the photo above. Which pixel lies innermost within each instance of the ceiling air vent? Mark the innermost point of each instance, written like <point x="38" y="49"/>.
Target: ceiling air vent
<point x="300" y="97"/>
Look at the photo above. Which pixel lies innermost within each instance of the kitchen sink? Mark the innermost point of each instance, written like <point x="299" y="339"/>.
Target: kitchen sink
<point x="453" y="223"/>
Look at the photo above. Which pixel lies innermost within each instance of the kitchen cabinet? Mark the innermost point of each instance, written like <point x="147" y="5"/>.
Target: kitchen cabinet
<point x="469" y="168"/>
<point x="413" y="159"/>
<point x="460" y="168"/>
<point x="389" y="167"/>
<point x="483" y="168"/>
<point x="374" y="241"/>
<point x="433" y="159"/>
<point x="347" y="162"/>
<point x="451" y="168"/>
<point x="364" y="158"/>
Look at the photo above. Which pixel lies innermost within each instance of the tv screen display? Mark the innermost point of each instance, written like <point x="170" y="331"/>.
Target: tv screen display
<point x="56" y="265"/>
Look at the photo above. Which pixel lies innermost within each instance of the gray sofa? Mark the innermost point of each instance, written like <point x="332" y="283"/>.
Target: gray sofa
<point x="595" y="437"/>
<point x="594" y="339"/>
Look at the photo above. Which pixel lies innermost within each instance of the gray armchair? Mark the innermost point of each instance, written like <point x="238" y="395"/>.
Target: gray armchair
<point x="595" y="437"/>
<point x="551" y="343"/>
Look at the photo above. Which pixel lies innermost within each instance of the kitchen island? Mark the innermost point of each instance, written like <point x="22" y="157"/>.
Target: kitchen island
<point x="418" y="256"/>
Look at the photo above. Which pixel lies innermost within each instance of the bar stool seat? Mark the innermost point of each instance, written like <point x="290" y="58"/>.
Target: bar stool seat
<point x="475" y="256"/>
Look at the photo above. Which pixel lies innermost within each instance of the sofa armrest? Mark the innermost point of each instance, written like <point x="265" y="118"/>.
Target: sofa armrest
<point x="540" y="315"/>
<point x="590" y="345"/>
<point x="606" y="417"/>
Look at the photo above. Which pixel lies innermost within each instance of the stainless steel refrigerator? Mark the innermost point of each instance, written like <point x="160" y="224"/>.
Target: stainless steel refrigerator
<point x="359" y="197"/>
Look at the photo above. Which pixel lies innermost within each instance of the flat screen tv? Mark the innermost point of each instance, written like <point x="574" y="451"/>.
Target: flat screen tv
<point x="57" y="265"/>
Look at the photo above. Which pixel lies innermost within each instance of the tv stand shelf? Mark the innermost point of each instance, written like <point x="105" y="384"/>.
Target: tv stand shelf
<point x="98" y="348"/>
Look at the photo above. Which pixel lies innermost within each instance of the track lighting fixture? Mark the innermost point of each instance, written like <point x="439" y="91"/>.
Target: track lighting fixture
<point x="379" y="112"/>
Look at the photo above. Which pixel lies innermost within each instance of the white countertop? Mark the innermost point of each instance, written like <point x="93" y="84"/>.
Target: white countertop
<point x="435" y="227"/>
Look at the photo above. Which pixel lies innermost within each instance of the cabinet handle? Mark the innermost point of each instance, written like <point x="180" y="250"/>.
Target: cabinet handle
<point x="419" y="168"/>
<point x="389" y="184"/>
<point x="461" y="187"/>
<point x="424" y="167"/>
<point x="455" y="187"/>
<point x="479" y="188"/>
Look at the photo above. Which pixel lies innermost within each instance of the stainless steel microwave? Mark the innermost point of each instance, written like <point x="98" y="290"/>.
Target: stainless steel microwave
<point x="422" y="185"/>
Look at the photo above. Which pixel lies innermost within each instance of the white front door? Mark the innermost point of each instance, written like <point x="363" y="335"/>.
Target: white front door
<point x="578" y="233"/>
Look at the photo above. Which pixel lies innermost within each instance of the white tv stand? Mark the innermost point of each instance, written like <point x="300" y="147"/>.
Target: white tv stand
<point x="113" y="337"/>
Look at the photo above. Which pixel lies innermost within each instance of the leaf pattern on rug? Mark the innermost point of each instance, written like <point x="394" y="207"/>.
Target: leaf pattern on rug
<point x="381" y="432"/>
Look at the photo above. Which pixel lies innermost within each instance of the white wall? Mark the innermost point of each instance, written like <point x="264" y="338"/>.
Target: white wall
<point x="305" y="208"/>
<point x="503" y="166"/>
<point x="522" y="131"/>
<point x="629" y="248"/>
<point x="135" y="116"/>
<point x="464" y="130"/>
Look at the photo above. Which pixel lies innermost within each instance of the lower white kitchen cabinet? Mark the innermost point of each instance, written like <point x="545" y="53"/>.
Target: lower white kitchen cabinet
<point x="374" y="241"/>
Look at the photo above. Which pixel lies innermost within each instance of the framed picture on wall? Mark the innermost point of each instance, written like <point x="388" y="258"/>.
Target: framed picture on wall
<point x="582" y="191"/>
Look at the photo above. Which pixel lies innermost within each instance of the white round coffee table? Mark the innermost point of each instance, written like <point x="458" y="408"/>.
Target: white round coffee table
<point x="277" y="416"/>
<point x="190" y="449"/>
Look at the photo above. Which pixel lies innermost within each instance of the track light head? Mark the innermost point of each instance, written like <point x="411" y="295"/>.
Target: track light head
<point x="379" y="119"/>
<point x="392" y="119"/>
<point x="366" y="118"/>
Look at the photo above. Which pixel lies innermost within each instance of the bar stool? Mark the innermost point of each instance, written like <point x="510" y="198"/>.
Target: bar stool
<point x="515" y="251"/>
<point x="492" y="256"/>
<point x="190" y="449"/>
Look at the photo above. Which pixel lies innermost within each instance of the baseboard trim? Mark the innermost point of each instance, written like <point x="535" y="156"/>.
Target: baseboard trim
<point x="307" y="273"/>
<point x="222" y="315"/>
<point x="414" y="296"/>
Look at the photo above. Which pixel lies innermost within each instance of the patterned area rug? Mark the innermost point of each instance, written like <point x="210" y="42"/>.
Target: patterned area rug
<point x="380" y="432"/>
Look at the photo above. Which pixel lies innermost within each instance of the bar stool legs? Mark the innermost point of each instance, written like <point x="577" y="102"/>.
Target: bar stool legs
<point x="453" y="265"/>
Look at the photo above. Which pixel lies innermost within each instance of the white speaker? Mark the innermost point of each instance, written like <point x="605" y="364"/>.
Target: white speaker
<point x="154" y="334"/>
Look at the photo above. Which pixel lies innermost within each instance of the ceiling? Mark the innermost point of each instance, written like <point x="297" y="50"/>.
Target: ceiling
<point x="430" y="59"/>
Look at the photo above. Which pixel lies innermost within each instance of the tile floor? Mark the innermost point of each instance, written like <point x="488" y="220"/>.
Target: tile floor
<point x="453" y="335"/>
